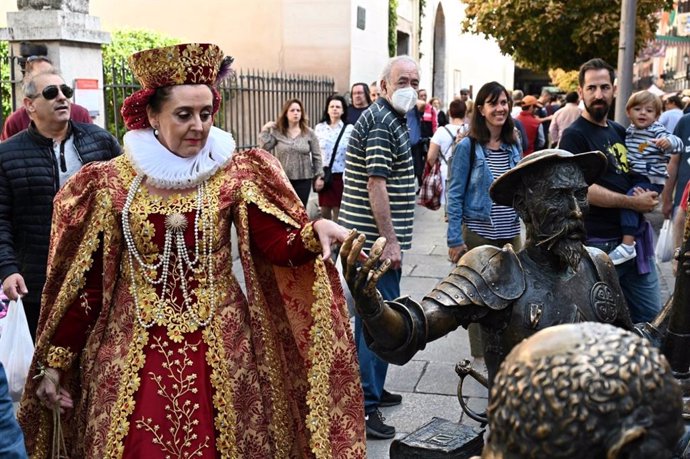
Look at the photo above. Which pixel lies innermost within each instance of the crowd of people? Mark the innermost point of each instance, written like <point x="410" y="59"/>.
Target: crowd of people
<point x="122" y="256"/>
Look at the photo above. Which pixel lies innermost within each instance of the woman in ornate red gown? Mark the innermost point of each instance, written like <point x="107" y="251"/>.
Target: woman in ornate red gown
<point x="146" y="341"/>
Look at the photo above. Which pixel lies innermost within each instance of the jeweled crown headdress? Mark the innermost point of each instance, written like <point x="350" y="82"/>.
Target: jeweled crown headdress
<point x="188" y="63"/>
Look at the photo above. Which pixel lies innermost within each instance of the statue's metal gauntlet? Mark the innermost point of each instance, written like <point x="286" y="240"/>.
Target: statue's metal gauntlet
<point x="399" y="329"/>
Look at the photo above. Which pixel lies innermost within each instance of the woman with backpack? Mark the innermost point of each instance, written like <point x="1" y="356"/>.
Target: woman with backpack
<point x="490" y="149"/>
<point x="444" y="140"/>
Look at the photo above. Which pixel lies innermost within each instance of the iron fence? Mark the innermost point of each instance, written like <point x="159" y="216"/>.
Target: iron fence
<point x="248" y="99"/>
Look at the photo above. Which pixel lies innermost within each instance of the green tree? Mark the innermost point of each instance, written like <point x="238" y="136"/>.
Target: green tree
<point x="543" y="34"/>
<point x="5" y="93"/>
<point x="566" y="81"/>
<point x="117" y="77"/>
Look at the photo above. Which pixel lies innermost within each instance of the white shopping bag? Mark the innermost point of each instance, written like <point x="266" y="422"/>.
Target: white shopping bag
<point x="16" y="348"/>
<point x="664" y="245"/>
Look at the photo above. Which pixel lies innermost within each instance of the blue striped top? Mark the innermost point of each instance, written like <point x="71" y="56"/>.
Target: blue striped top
<point x="644" y="157"/>
<point x="504" y="223"/>
<point x="379" y="146"/>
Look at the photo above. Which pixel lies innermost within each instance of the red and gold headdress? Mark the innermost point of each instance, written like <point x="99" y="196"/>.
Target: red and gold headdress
<point x="189" y="63"/>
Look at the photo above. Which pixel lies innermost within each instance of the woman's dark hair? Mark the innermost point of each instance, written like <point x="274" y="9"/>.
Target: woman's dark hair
<point x="457" y="109"/>
<point x="489" y="93"/>
<point x="161" y="95"/>
<point x="282" y="120"/>
<point x="367" y="93"/>
<point x="158" y="98"/>
<point x="325" y="118"/>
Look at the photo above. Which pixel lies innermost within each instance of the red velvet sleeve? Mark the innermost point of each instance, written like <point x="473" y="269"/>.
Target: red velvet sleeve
<point x="72" y="331"/>
<point x="281" y="244"/>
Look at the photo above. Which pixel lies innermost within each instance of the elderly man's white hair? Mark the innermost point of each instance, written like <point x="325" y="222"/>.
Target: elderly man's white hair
<point x="386" y="73"/>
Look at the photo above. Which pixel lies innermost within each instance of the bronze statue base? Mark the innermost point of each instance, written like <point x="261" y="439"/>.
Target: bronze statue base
<point x="439" y="439"/>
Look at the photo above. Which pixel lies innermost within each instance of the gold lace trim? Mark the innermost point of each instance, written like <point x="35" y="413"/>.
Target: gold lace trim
<point x="102" y="221"/>
<point x="278" y="424"/>
<point x="309" y="239"/>
<point x="60" y="357"/>
<point x="176" y="318"/>
<point x="226" y="417"/>
<point x="176" y="442"/>
<point x="321" y="360"/>
<point x="129" y="384"/>
<point x="251" y="194"/>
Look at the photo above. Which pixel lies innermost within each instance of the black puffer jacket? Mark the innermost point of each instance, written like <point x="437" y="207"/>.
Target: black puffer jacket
<point x="29" y="179"/>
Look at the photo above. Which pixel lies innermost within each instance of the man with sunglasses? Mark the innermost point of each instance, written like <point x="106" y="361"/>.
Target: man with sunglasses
<point x="34" y="164"/>
<point x="19" y="120"/>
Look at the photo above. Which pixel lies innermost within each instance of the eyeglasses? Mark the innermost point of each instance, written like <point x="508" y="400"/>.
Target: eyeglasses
<point x="51" y="92"/>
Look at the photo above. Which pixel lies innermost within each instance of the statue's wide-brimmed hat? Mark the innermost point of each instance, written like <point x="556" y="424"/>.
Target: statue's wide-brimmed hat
<point x="188" y="63"/>
<point x="592" y="163"/>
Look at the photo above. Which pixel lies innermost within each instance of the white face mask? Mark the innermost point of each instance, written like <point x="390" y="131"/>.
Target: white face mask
<point x="404" y="99"/>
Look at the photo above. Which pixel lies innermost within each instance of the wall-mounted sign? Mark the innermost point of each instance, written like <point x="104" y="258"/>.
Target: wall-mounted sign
<point x="87" y="94"/>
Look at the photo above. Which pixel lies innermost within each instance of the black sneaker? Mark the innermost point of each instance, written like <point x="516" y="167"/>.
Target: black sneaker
<point x="375" y="426"/>
<point x="388" y="399"/>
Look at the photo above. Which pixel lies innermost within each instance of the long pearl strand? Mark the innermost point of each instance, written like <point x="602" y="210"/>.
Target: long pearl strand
<point x="175" y="225"/>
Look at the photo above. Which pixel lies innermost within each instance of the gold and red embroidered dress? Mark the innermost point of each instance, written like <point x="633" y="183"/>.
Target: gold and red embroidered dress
<point x="274" y="373"/>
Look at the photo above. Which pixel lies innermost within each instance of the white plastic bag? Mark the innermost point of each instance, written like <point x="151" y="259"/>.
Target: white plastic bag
<point x="664" y="245"/>
<point x="16" y="348"/>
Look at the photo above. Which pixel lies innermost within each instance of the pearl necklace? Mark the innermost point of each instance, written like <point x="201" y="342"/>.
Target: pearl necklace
<point x="175" y="225"/>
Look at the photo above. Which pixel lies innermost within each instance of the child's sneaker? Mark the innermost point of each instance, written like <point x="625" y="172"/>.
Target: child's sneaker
<point x="622" y="253"/>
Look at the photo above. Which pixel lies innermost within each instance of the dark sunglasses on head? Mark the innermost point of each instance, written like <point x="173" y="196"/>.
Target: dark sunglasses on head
<point x="51" y="92"/>
<point x="38" y="58"/>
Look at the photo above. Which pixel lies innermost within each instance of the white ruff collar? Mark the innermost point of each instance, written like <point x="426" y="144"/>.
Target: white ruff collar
<point x="164" y="169"/>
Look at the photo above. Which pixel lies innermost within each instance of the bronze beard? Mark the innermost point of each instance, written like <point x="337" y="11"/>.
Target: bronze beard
<point x="567" y="244"/>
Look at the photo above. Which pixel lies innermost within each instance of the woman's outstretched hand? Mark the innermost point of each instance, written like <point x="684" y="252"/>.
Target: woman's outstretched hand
<point x="329" y="233"/>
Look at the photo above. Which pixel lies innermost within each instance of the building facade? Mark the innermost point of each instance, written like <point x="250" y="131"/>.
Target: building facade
<point x="344" y="39"/>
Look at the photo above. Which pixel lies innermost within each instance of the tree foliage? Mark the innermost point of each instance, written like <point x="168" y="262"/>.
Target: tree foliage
<point x="543" y="34"/>
<point x="565" y="81"/>
<point x="392" y="27"/>
<point x="123" y="44"/>
<point x="5" y="94"/>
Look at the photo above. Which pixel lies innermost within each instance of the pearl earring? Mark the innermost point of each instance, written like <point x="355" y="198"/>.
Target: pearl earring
<point x="155" y="132"/>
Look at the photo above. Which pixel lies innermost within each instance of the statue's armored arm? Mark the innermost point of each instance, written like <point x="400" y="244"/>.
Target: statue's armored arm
<point x="404" y="326"/>
<point x="472" y="292"/>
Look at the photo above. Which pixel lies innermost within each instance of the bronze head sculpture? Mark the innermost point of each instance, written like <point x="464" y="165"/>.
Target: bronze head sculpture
<point x="554" y="279"/>
<point x="584" y="391"/>
<point x="548" y="189"/>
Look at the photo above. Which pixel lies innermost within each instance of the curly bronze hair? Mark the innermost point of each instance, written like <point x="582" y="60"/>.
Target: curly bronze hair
<point x="584" y="391"/>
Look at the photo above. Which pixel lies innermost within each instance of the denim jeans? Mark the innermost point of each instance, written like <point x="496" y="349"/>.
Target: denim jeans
<point x="372" y="369"/>
<point x="11" y="437"/>
<point x="641" y="291"/>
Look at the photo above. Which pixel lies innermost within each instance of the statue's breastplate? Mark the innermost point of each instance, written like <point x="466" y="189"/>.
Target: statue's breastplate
<point x="547" y="301"/>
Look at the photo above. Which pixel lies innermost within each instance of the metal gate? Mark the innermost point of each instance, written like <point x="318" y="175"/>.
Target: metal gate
<point x="248" y="99"/>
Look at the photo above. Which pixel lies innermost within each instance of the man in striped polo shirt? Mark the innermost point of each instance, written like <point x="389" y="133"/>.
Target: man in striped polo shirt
<point x="378" y="200"/>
